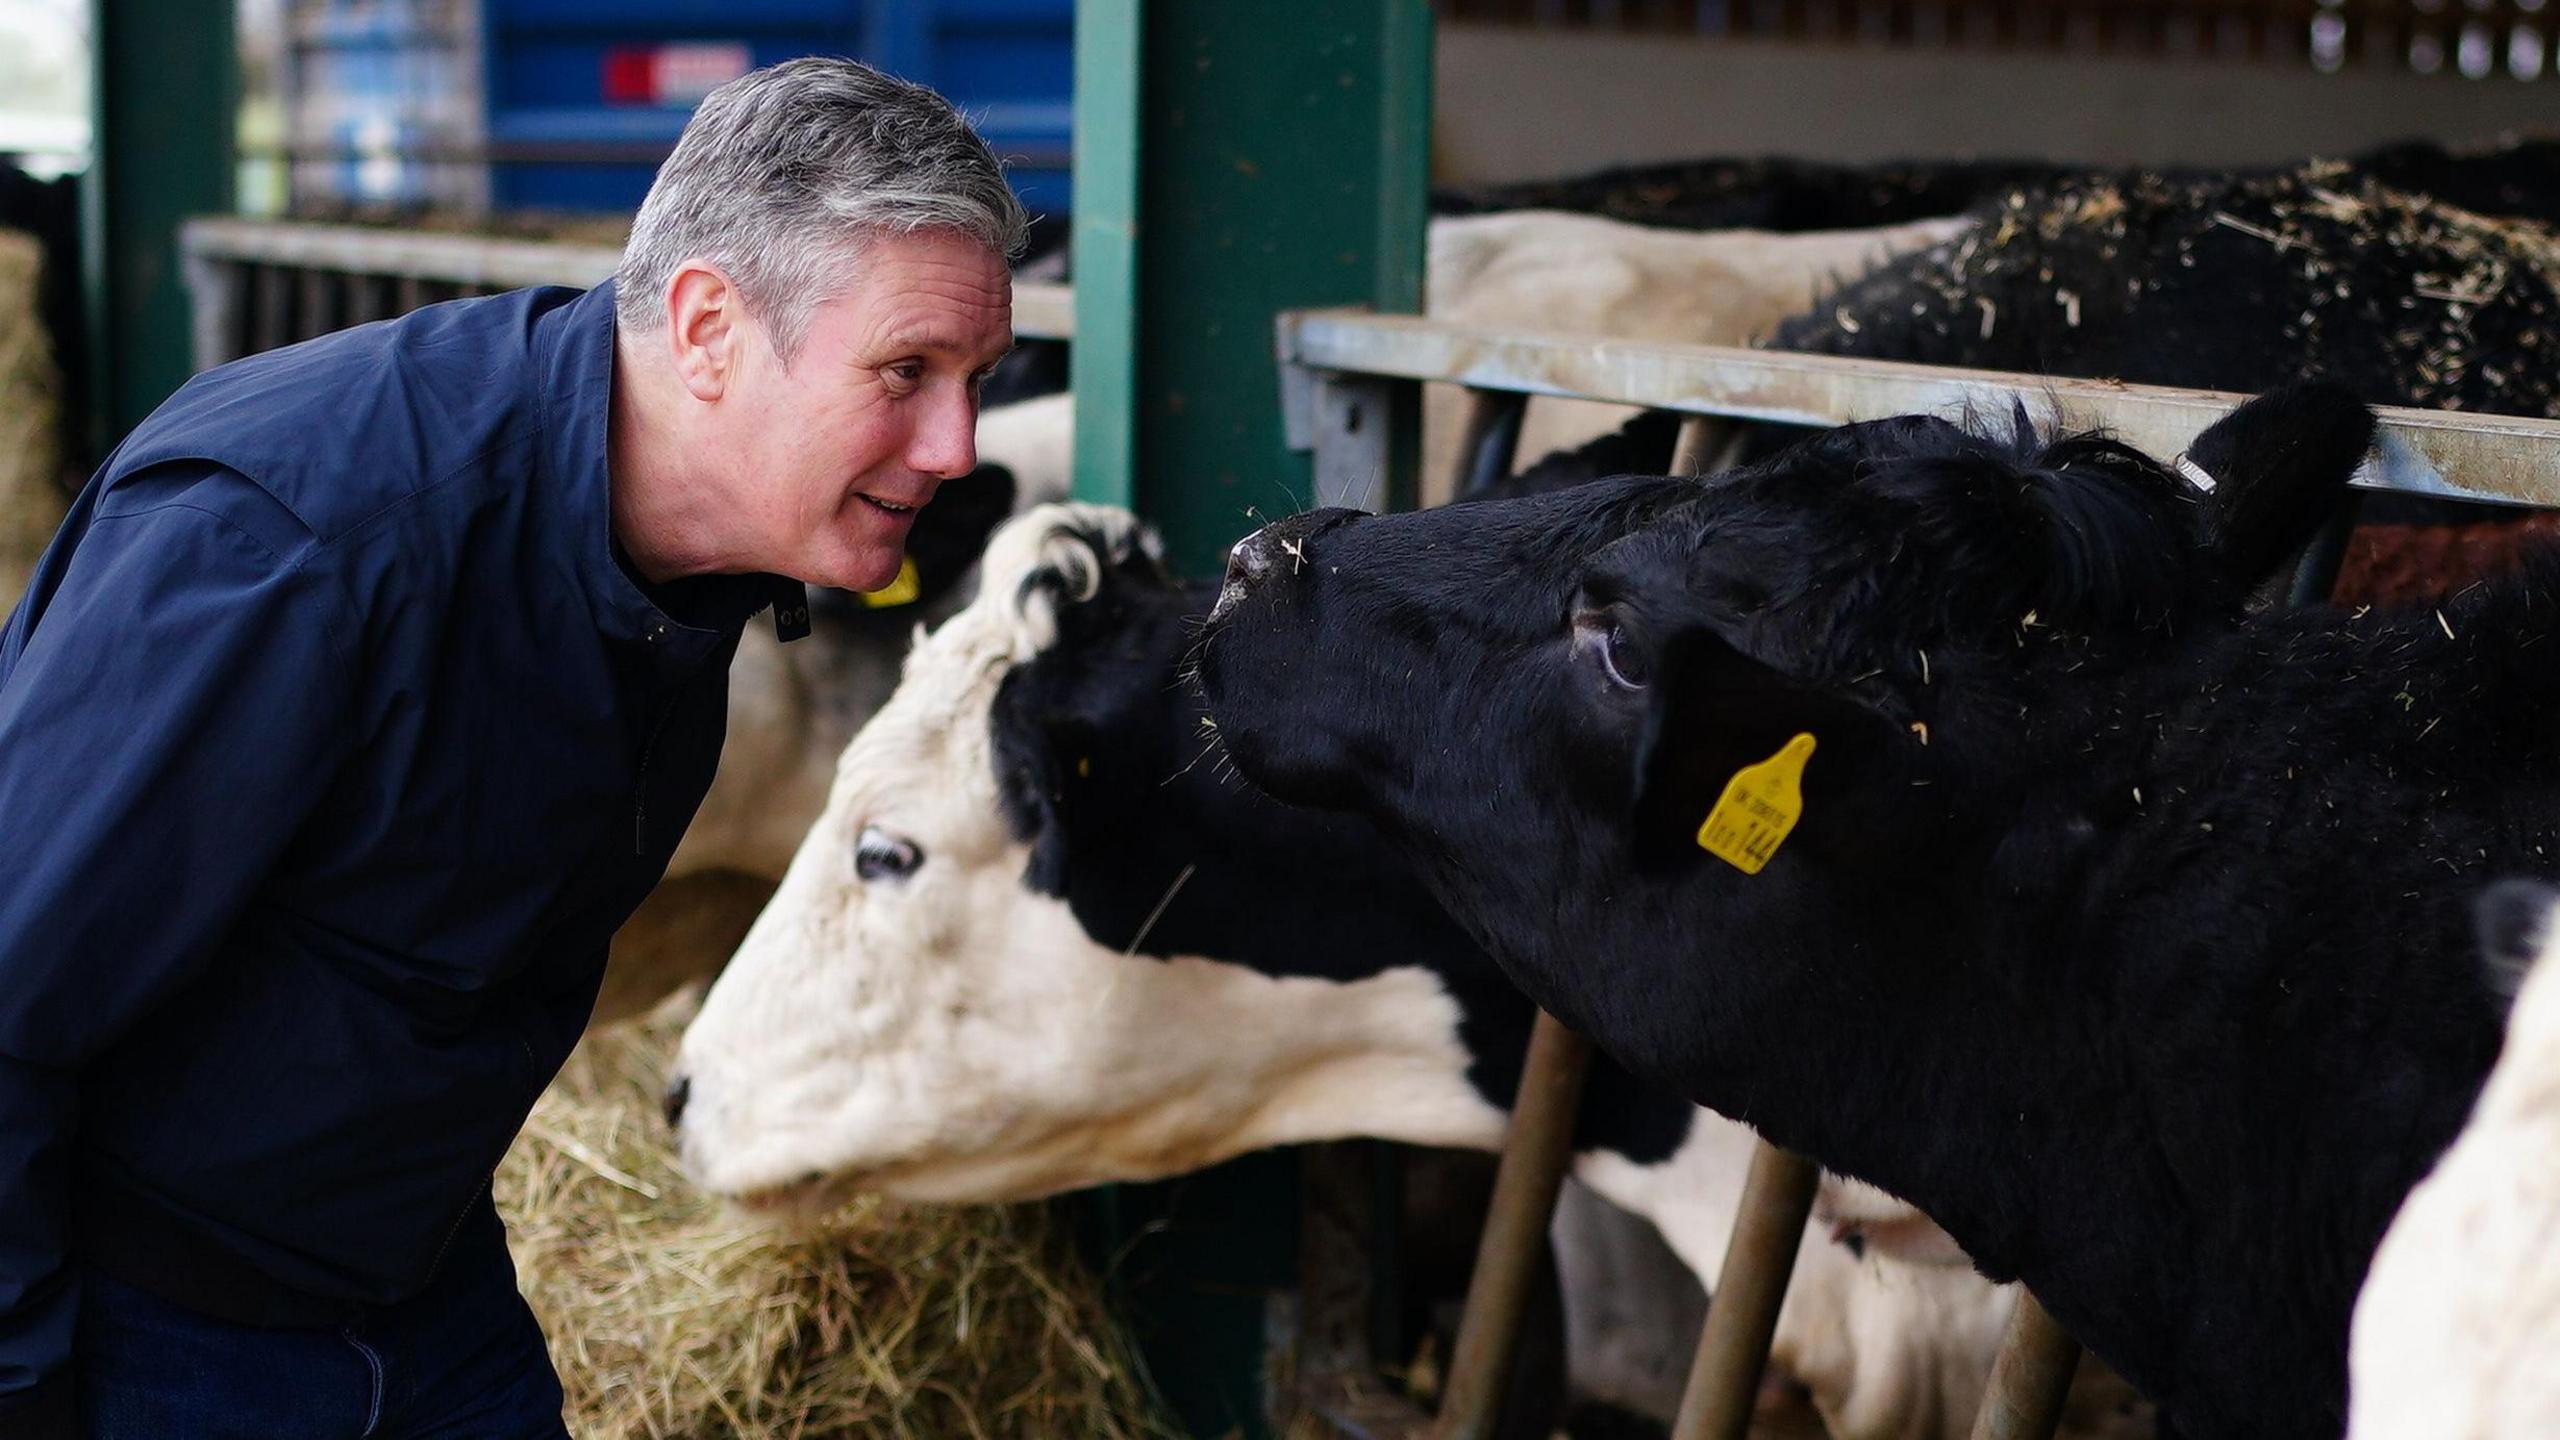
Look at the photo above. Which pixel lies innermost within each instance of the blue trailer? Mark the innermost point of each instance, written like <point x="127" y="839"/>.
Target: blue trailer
<point x="569" y="105"/>
<point x="585" y="96"/>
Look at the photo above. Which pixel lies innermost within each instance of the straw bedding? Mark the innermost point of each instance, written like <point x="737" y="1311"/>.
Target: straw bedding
<point x="672" y="1316"/>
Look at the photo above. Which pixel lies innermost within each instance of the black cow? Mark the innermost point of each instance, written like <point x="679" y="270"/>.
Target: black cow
<point x="2368" y="273"/>
<point x="2125" y="938"/>
<point x="1041" y="939"/>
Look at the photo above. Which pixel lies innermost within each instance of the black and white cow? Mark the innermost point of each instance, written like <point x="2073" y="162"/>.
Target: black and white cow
<point x="1040" y="940"/>
<point x="2127" y="940"/>
<point x="793" y="708"/>
<point x="2457" y="1324"/>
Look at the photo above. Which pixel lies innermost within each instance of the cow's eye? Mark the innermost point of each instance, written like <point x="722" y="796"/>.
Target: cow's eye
<point x="879" y="855"/>
<point x="1622" y="655"/>
<point x="1625" y="660"/>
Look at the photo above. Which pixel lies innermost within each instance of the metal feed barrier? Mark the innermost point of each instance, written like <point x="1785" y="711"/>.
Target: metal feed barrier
<point x="1340" y="374"/>
<point x="259" y="284"/>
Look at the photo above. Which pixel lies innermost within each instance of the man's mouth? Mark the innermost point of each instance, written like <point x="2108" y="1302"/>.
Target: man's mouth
<point x="890" y="506"/>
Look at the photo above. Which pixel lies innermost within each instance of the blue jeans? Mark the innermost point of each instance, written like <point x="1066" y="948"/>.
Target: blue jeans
<point x="462" y="1360"/>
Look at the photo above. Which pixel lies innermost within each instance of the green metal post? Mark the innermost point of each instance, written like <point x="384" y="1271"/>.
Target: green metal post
<point x="1108" y="152"/>
<point x="163" y="107"/>
<point x="1232" y="160"/>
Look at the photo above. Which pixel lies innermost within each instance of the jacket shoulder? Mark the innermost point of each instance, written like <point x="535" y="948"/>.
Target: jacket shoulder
<point x="339" y="429"/>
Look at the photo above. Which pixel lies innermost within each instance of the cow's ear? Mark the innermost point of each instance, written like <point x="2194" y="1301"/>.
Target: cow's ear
<point x="1033" y="780"/>
<point x="2512" y="921"/>
<point x="951" y="532"/>
<point x="2278" y="467"/>
<point x="1715" y="712"/>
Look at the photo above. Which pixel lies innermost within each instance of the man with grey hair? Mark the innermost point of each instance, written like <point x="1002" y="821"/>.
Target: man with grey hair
<point x="364" y="693"/>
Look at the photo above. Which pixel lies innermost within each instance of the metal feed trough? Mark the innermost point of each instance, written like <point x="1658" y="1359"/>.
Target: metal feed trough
<point x="259" y="284"/>
<point x="1341" y="371"/>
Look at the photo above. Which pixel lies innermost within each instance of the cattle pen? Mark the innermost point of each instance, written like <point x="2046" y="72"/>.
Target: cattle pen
<point x="1347" y="383"/>
<point x="1239" y="217"/>
<point x="1348" y="377"/>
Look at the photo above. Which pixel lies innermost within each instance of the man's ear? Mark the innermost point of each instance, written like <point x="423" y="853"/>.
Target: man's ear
<point x="1716" y="710"/>
<point x="2279" y="466"/>
<point x="705" y="325"/>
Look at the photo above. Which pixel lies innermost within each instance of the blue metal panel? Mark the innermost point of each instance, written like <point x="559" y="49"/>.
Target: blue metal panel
<point x="560" y="141"/>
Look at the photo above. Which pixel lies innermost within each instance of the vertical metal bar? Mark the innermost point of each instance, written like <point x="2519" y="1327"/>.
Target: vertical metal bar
<point x="1535" y="1151"/>
<point x="1242" y="107"/>
<point x="2316" y="573"/>
<point x="216" y="284"/>
<point x="1360" y="420"/>
<point x="1109" y="148"/>
<point x="1701" y="437"/>
<point x="1488" y="442"/>
<point x="1742" y="1313"/>
<point x="317" y="311"/>
<point x="273" y="325"/>
<point x="162" y="86"/>
<point x="2031" y="1377"/>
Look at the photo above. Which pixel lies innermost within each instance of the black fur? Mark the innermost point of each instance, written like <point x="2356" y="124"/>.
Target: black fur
<point x="2127" y="936"/>
<point x="2221" y="282"/>
<point x="1106" y="770"/>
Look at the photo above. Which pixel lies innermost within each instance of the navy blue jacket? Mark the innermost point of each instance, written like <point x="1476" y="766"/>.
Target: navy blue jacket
<point x="335" y="742"/>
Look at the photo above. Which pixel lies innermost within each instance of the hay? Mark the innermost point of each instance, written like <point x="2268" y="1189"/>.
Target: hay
<point x="672" y="1316"/>
<point x="31" y="496"/>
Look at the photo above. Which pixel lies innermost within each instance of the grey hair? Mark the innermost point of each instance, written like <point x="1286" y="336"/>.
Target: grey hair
<point x="783" y="174"/>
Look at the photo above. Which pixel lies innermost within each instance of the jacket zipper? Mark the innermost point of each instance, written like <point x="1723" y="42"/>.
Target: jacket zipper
<point x="640" y="781"/>
<point x="454" y="1227"/>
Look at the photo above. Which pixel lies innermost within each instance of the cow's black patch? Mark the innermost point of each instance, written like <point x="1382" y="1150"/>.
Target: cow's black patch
<point x="2126" y="935"/>
<point x="1134" y="817"/>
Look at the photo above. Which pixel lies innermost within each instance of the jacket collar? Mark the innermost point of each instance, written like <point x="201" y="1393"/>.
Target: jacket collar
<point x="573" y="359"/>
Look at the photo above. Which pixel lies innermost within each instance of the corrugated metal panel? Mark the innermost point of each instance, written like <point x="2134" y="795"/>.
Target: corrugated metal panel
<point x="2475" y="39"/>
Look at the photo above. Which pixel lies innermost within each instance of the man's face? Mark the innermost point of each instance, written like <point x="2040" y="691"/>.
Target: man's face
<point x="834" y="453"/>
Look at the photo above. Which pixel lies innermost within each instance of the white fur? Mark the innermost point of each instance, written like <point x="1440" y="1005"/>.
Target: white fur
<point x="952" y="1036"/>
<point x="1550" y="270"/>
<point x="2457" y="1331"/>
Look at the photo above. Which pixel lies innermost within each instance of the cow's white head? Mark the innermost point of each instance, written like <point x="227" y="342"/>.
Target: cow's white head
<point x="911" y="1015"/>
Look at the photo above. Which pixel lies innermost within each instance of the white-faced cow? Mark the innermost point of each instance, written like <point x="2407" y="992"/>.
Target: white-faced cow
<point x="1543" y="270"/>
<point x="1038" y="940"/>
<point x="1925" y="801"/>
<point x="2459" y="1321"/>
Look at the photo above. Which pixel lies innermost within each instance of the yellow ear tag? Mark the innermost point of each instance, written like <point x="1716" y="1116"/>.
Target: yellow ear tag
<point x="901" y="591"/>
<point x="1759" y="809"/>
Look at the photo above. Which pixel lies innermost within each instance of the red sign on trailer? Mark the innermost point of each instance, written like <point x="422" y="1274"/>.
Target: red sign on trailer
<point x="677" y="74"/>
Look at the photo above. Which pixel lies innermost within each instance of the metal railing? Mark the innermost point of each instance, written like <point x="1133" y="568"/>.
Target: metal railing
<point x="259" y="284"/>
<point x="1340" y="374"/>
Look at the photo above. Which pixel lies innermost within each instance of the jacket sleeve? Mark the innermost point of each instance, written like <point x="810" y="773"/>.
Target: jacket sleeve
<point x="173" y="699"/>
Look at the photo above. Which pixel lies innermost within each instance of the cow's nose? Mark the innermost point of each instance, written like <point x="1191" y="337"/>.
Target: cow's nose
<point x="1250" y="560"/>
<point x="679" y="1091"/>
